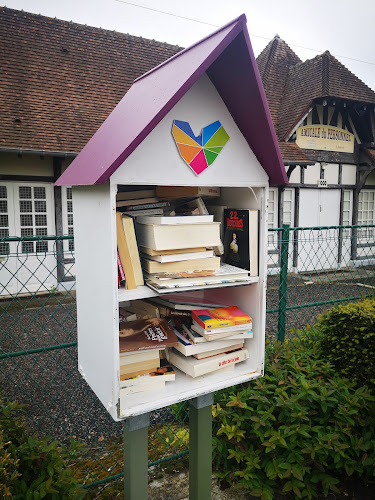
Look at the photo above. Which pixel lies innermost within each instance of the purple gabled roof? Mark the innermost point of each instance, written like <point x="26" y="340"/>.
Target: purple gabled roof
<point x="227" y="57"/>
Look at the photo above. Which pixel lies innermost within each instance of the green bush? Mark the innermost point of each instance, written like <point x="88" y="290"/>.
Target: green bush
<point x="300" y="429"/>
<point x="348" y="339"/>
<point x="8" y="469"/>
<point x="38" y="468"/>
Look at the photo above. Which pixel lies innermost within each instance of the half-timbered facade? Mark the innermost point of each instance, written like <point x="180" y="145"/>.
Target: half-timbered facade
<point x="324" y="119"/>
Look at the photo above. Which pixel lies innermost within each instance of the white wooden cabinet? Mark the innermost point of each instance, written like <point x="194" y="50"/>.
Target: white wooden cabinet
<point x="98" y="300"/>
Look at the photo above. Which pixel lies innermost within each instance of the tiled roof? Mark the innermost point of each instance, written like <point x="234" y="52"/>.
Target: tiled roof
<point x="292" y="153"/>
<point x="274" y="63"/>
<point x="370" y="153"/>
<point x="291" y="86"/>
<point x="59" y="80"/>
<point x="323" y="76"/>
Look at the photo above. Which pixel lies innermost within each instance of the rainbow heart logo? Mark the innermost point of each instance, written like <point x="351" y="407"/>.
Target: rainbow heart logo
<point x="201" y="151"/>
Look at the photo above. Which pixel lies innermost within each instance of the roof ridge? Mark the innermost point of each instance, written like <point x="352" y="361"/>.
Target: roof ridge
<point x="325" y="73"/>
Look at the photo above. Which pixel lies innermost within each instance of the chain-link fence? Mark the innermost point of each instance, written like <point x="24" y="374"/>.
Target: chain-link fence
<point x="312" y="268"/>
<point x="309" y="270"/>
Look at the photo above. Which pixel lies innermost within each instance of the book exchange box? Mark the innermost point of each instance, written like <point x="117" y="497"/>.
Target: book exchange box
<point x="170" y="206"/>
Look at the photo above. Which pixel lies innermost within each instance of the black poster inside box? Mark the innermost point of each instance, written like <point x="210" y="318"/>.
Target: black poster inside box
<point x="236" y="238"/>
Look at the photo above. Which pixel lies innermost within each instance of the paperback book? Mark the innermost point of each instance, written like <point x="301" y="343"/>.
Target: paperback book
<point x="198" y="367"/>
<point x="154" y="333"/>
<point x="220" y="317"/>
<point x="241" y="239"/>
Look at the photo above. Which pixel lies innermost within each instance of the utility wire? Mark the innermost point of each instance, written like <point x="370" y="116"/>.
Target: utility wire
<point x="252" y="35"/>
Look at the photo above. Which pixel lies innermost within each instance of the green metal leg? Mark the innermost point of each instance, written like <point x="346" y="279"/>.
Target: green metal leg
<point x="136" y="457"/>
<point x="200" y="447"/>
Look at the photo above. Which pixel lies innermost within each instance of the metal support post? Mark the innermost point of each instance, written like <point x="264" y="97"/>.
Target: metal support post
<point x="200" y="447"/>
<point x="136" y="457"/>
<point x="283" y="282"/>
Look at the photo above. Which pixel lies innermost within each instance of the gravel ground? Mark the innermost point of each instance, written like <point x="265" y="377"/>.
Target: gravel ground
<point x="58" y="401"/>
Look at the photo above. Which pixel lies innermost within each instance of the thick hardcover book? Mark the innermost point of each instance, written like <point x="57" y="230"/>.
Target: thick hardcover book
<point x="220" y="317"/>
<point x="241" y="239"/>
<point x="175" y="219"/>
<point x="197" y="367"/>
<point x="176" y="236"/>
<point x="154" y="333"/>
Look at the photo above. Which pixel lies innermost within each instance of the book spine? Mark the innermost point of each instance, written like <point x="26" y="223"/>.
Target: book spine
<point x="160" y="204"/>
<point x="121" y="270"/>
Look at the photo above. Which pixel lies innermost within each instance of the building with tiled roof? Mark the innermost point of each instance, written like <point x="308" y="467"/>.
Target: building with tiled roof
<point x="325" y="124"/>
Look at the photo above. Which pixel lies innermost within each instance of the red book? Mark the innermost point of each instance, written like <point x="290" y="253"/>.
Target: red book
<point x="220" y="317"/>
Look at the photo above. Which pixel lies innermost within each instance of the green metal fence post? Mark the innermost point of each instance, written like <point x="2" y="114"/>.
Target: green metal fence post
<point x="136" y="457"/>
<point x="200" y="447"/>
<point x="283" y="282"/>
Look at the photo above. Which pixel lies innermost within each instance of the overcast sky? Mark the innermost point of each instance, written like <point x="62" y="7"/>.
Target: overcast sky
<point x="344" y="27"/>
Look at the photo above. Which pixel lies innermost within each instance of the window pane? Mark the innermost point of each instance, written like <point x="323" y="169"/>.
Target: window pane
<point x="26" y="206"/>
<point x="40" y="193"/>
<point x="4" y="221"/>
<point x="40" y="220"/>
<point x="40" y="206"/>
<point x="25" y="192"/>
<point x="26" y="220"/>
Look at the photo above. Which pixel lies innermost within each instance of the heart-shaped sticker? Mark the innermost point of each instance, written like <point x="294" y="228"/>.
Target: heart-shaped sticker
<point x="201" y="151"/>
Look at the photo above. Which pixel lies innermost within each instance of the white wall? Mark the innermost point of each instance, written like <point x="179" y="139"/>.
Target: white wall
<point x="331" y="173"/>
<point x="200" y="106"/>
<point x="349" y="174"/>
<point x="312" y="173"/>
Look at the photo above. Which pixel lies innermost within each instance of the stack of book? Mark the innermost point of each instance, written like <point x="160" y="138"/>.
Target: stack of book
<point x="215" y="340"/>
<point x="176" y="252"/>
<point x="144" y="202"/>
<point x="141" y="344"/>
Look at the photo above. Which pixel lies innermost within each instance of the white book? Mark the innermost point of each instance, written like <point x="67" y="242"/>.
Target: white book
<point x="177" y="257"/>
<point x="197" y="367"/>
<point x="196" y="338"/>
<point x="211" y="348"/>
<point x="175" y="219"/>
<point x="176" y="236"/>
<point x="233" y="328"/>
<point x="131" y="357"/>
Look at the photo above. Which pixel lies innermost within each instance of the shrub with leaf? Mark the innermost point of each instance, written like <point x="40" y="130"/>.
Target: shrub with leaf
<point x="346" y="337"/>
<point x="35" y="468"/>
<point x="299" y="429"/>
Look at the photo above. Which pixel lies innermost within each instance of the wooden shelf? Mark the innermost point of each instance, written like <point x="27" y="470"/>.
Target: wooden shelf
<point x="143" y="292"/>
